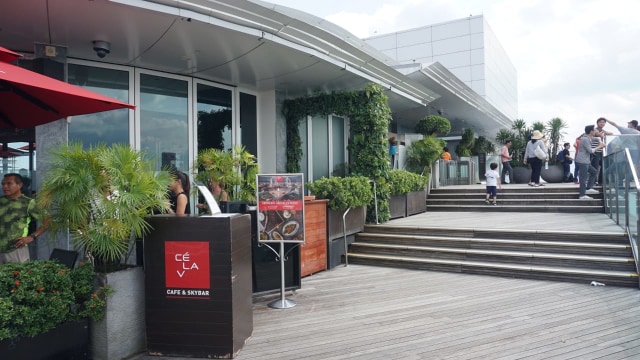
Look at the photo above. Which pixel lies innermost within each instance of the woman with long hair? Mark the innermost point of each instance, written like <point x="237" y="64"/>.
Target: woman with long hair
<point x="180" y="189"/>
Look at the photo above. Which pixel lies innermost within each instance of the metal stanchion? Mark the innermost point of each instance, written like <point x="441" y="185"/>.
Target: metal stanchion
<point x="282" y="303"/>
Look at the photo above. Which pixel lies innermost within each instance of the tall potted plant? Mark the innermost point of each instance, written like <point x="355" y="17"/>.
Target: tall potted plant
<point x="234" y="170"/>
<point x="554" y="131"/>
<point x="102" y="196"/>
<point x="519" y="136"/>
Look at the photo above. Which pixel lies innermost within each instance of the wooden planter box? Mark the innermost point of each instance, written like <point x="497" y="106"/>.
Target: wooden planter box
<point x="416" y="202"/>
<point x="68" y="341"/>
<point x="313" y="253"/>
<point x="355" y="221"/>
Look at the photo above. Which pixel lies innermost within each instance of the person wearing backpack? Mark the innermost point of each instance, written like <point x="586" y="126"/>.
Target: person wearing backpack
<point x="564" y="158"/>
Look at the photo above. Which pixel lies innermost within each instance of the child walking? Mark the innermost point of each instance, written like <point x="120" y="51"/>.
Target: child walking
<point x="493" y="183"/>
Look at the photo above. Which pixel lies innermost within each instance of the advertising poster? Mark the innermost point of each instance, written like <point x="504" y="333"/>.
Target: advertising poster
<point x="280" y="207"/>
<point x="187" y="272"/>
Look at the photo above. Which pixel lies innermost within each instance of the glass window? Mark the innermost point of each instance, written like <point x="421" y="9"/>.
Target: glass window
<point x="108" y="127"/>
<point x="249" y="122"/>
<point x="215" y="118"/>
<point x="338" y="147"/>
<point x="164" y="117"/>
<point x="320" y="146"/>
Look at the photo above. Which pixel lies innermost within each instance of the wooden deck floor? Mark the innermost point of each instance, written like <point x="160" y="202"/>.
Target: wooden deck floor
<point x="362" y="312"/>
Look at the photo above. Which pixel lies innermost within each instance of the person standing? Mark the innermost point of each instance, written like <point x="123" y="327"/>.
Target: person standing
<point x="16" y="213"/>
<point x="446" y="155"/>
<point x="530" y="157"/>
<point x="583" y="161"/>
<point x="493" y="184"/>
<point x="631" y="127"/>
<point x="506" y="158"/>
<point x="180" y="189"/>
<point x="393" y="151"/>
<point x="564" y="156"/>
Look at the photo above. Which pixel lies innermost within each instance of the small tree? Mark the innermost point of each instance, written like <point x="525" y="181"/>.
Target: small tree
<point x="466" y="144"/>
<point x="482" y="146"/>
<point x="421" y="154"/>
<point x="433" y="125"/>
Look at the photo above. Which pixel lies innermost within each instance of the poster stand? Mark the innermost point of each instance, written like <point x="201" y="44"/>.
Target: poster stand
<point x="283" y="302"/>
<point x="280" y="219"/>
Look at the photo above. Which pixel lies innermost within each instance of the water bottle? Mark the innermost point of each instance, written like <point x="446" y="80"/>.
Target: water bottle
<point x="546" y="165"/>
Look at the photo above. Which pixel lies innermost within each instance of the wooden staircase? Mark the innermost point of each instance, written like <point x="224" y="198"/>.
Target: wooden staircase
<point x="517" y="198"/>
<point x="560" y="256"/>
<point x="573" y="256"/>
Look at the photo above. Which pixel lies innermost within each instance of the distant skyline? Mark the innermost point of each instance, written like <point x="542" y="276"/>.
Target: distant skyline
<point x="576" y="59"/>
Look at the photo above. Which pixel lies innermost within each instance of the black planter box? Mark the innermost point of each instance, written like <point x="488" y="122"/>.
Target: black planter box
<point x="416" y="202"/>
<point x="68" y="341"/>
<point x="265" y="271"/>
<point x="354" y="221"/>
<point x="397" y="206"/>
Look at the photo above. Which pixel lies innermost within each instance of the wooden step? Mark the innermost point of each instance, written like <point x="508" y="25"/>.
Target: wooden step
<point x="608" y="277"/>
<point x="597" y="262"/>
<point x="554" y="246"/>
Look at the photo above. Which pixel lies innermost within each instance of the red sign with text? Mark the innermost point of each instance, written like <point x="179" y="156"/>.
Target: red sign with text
<point x="187" y="269"/>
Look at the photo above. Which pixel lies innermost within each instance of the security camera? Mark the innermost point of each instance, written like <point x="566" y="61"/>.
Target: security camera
<point x="101" y="47"/>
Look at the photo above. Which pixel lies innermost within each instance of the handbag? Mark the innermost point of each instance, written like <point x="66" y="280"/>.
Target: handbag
<point x="539" y="153"/>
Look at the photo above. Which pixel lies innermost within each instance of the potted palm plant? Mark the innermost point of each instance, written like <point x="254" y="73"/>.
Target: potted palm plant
<point x="235" y="171"/>
<point x="554" y="131"/>
<point x="103" y="196"/>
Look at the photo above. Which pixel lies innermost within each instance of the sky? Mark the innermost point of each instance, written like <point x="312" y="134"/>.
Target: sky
<point x="576" y="59"/>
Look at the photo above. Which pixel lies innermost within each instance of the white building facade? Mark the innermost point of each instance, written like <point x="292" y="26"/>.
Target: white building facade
<point x="468" y="48"/>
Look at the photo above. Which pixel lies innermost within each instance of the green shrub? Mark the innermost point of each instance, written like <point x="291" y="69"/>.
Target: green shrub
<point x="403" y="181"/>
<point x="36" y="296"/>
<point x="343" y="192"/>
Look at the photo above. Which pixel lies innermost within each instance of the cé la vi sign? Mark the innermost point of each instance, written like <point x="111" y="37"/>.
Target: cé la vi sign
<point x="187" y="272"/>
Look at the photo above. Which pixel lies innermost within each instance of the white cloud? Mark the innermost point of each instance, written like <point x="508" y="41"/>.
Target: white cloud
<point x="576" y="59"/>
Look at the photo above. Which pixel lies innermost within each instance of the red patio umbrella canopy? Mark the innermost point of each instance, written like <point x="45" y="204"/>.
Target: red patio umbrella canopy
<point x="7" y="55"/>
<point x="28" y="99"/>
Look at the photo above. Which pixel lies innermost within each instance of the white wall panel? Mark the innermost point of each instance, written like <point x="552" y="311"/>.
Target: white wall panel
<point x="453" y="45"/>
<point x="414" y="52"/>
<point x="476" y="25"/>
<point x="414" y="37"/>
<point x="456" y="60"/>
<point x="477" y="72"/>
<point x="478" y="86"/>
<point x="462" y="73"/>
<point x="477" y="56"/>
<point x="477" y="41"/>
<point x="450" y="30"/>
<point x="383" y="42"/>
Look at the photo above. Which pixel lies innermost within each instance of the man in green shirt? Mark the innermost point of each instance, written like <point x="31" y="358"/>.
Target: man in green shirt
<point x="16" y="213"/>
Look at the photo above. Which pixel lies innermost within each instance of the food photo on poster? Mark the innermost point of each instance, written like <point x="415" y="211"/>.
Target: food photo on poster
<point x="280" y="207"/>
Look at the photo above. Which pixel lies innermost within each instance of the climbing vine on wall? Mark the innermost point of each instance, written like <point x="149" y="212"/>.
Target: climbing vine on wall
<point x="369" y="115"/>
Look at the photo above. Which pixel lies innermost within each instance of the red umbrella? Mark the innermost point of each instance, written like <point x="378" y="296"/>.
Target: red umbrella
<point x="7" y="55"/>
<point x="28" y="99"/>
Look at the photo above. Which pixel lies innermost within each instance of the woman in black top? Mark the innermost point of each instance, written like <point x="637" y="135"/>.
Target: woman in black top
<point x="180" y="189"/>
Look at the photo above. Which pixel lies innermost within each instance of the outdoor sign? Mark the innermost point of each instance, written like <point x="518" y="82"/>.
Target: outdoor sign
<point x="281" y="207"/>
<point x="187" y="272"/>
